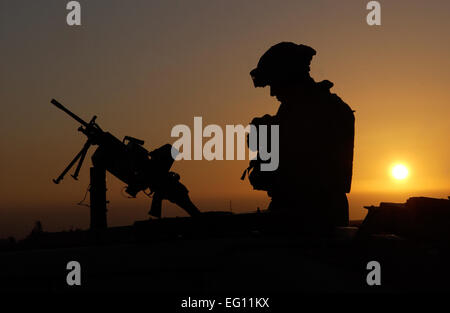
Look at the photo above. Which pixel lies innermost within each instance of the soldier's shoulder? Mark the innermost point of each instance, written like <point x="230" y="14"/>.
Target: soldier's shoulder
<point x="340" y="104"/>
<point x="333" y="99"/>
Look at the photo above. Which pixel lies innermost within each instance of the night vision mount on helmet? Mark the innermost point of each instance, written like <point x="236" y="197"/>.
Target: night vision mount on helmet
<point x="282" y="63"/>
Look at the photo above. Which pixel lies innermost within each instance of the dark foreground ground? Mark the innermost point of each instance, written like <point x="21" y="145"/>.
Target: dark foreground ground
<point x="221" y="258"/>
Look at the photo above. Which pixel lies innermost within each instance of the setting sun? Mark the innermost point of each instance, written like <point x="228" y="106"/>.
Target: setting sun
<point x="400" y="171"/>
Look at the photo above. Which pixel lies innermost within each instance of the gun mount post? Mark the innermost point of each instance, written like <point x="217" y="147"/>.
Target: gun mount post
<point x="98" y="198"/>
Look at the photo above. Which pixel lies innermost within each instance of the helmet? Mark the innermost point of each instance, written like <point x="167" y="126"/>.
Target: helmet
<point x="282" y="63"/>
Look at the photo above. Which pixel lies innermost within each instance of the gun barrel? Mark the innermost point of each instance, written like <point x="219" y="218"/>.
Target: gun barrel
<point x="74" y="116"/>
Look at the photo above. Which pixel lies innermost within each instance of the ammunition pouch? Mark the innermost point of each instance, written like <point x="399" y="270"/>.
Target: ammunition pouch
<point x="260" y="180"/>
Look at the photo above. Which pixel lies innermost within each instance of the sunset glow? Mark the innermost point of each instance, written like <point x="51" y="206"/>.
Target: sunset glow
<point x="142" y="69"/>
<point x="400" y="172"/>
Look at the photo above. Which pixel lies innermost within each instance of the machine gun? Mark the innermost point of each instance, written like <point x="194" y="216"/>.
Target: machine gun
<point x="130" y="162"/>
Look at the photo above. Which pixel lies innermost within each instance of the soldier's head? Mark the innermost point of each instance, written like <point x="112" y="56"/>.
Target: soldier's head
<point x="284" y="65"/>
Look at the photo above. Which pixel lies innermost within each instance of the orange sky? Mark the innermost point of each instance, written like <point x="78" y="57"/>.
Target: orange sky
<point x="144" y="67"/>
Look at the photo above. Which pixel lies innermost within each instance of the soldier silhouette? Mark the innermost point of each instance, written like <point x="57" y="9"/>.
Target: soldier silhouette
<point x="315" y="142"/>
